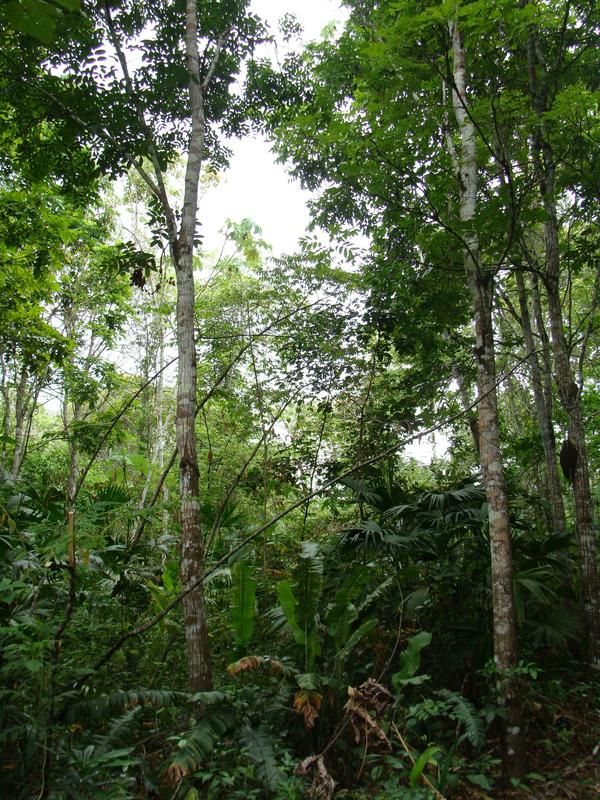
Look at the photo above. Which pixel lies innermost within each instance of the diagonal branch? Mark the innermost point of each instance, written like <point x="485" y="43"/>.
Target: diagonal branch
<point x="105" y="658"/>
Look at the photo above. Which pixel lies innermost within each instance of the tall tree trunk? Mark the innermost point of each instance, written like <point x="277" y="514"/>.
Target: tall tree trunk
<point x="182" y="253"/>
<point x="570" y="399"/>
<point x="481" y="286"/>
<point x="24" y="406"/>
<point x="6" y="412"/>
<point x="545" y="361"/>
<point x="544" y="415"/>
<point x="160" y="420"/>
<point x="192" y="548"/>
<point x="568" y="391"/>
<point x="68" y="420"/>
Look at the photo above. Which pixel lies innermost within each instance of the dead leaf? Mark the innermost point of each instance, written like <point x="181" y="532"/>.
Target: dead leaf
<point x="270" y="666"/>
<point x="323" y="785"/>
<point x="365" y="703"/>
<point x="307" y="703"/>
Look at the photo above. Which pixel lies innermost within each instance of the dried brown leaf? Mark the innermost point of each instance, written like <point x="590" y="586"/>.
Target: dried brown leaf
<point x="323" y="785"/>
<point x="365" y="703"/>
<point x="270" y="666"/>
<point x="176" y="773"/>
<point x="307" y="703"/>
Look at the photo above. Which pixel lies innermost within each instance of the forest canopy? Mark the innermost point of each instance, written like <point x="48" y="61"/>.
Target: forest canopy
<point x="315" y="524"/>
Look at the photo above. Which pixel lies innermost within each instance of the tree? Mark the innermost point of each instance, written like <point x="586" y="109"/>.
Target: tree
<point x="141" y="113"/>
<point x="545" y="85"/>
<point x="406" y="136"/>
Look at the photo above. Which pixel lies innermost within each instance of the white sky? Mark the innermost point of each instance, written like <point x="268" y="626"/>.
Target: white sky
<point x="254" y="185"/>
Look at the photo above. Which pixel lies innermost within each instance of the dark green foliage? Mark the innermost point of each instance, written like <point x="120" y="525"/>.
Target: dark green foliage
<point x="244" y="602"/>
<point x="384" y="580"/>
<point x="259" y="742"/>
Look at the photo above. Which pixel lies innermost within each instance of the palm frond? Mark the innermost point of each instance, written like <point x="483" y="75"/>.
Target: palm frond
<point x="106" y="706"/>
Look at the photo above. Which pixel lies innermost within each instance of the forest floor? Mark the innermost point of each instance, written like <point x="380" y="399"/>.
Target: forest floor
<point x="563" y="742"/>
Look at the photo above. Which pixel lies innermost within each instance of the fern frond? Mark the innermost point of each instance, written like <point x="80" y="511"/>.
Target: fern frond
<point x="308" y="583"/>
<point x="466" y="714"/>
<point x="376" y="594"/>
<point x="197" y="743"/>
<point x="259" y="743"/>
<point x="121" y="731"/>
<point x="243" y="602"/>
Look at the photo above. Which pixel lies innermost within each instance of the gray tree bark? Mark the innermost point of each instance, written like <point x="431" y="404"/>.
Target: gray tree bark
<point x="481" y="284"/>
<point x="544" y="415"/>
<point x="568" y="390"/>
<point x="26" y="397"/>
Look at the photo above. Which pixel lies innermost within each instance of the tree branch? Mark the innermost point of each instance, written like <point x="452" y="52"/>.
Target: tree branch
<point x="274" y="520"/>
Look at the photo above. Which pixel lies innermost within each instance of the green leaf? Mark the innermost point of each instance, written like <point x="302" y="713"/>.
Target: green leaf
<point x="339" y="623"/>
<point x="243" y="602"/>
<point x="481" y="781"/>
<point x="33" y="17"/>
<point x="358" y="634"/>
<point x="420" y="764"/>
<point x="288" y="604"/>
<point x="70" y="5"/>
<point x="410" y="659"/>
<point x="416" y="680"/>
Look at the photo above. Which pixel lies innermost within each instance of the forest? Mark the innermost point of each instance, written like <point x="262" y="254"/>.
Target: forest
<point x="320" y="524"/>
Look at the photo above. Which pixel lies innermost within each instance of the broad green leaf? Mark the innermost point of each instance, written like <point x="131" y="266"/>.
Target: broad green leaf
<point x="410" y="658"/>
<point x="244" y="602"/>
<point x="358" y="634"/>
<point x="288" y="606"/>
<point x="70" y="5"/>
<point x="27" y="18"/>
<point x="420" y="764"/>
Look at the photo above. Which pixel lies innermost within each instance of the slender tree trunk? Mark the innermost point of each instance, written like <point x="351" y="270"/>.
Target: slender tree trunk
<point x="21" y="425"/>
<point x="546" y="361"/>
<point x="544" y="416"/>
<point x="570" y="399"/>
<point x="481" y="285"/>
<point x="160" y="421"/>
<point x="192" y="548"/>
<point x="568" y="391"/>
<point x="182" y="253"/>
<point x="68" y="419"/>
<point x="6" y="412"/>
